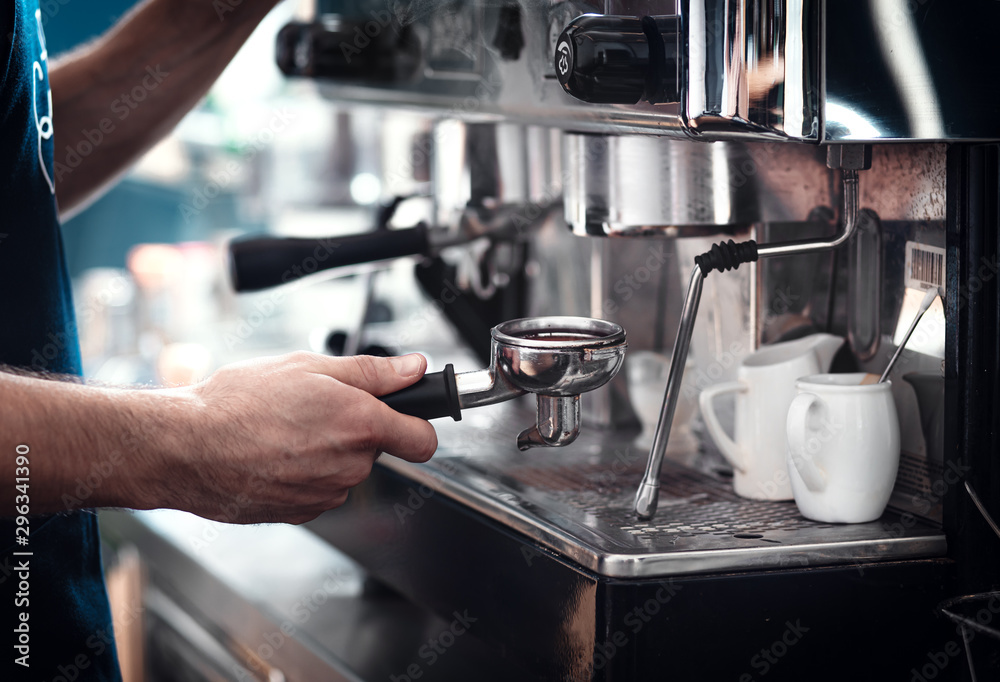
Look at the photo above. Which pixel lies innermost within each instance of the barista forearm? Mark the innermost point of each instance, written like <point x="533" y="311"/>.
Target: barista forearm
<point x="272" y="439"/>
<point x="115" y="98"/>
<point x="88" y="446"/>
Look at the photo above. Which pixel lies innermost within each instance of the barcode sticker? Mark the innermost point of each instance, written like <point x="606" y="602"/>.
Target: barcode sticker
<point x="924" y="266"/>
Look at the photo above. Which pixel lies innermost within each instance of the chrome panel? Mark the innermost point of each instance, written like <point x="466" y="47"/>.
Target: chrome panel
<point x="792" y="69"/>
<point x="634" y="185"/>
<point x="485" y="87"/>
<point x="629" y="185"/>
<point x="911" y="70"/>
<point x="752" y="67"/>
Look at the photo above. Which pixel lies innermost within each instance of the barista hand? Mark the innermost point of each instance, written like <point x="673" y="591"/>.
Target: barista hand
<point x="284" y="439"/>
<point x="275" y="439"/>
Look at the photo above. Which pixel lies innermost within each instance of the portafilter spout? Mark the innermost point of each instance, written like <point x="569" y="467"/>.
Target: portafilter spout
<point x="556" y="358"/>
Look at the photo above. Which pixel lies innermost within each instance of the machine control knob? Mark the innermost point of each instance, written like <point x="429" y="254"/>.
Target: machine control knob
<point x="349" y="51"/>
<point x="607" y="59"/>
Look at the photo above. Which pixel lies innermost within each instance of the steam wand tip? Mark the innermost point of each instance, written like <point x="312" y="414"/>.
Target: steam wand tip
<point x="646" y="499"/>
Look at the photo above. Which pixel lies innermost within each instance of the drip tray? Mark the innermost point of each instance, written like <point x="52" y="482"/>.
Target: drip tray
<point x="577" y="502"/>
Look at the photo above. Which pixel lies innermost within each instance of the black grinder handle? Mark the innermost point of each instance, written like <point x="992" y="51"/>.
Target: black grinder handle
<point x="435" y="395"/>
<point x="263" y="262"/>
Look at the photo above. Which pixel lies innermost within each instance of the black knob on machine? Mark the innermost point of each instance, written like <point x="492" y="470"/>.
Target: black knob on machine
<point x="606" y="59"/>
<point x="374" y="51"/>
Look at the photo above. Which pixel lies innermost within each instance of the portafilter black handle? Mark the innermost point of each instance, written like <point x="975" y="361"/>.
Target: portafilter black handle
<point x="435" y="395"/>
<point x="261" y="262"/>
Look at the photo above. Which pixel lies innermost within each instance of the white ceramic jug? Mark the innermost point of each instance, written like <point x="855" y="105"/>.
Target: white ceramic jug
<point x="764" y="389"/>
<point x="843" y="447"/>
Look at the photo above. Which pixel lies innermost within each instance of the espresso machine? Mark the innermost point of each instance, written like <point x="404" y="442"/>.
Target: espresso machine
<point x="707" y="177"/>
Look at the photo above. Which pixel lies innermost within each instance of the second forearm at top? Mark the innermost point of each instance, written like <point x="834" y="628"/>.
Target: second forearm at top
<point x="114" y="99"/>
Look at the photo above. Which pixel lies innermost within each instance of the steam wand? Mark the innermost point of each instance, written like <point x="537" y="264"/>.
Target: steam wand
<point x="724" y="256"/>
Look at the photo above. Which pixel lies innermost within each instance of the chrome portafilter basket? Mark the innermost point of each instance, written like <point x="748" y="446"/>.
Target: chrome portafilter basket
<point x="556" y="358"/>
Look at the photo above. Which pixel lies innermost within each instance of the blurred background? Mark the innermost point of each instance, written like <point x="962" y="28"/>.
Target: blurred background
<point x="260" y="153"/>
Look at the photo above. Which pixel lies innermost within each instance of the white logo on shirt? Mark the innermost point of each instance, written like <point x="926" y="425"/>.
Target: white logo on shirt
<point x="44" y="123"/>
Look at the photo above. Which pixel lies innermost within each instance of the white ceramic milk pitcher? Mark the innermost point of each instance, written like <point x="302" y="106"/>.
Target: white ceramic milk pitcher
<point x="765" y="387"/>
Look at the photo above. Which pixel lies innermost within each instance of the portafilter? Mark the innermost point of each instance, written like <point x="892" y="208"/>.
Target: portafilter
<point x="556" y="358"/>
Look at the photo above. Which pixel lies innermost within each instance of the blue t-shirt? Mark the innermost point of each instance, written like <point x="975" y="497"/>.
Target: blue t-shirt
<point x="62" y="588"/>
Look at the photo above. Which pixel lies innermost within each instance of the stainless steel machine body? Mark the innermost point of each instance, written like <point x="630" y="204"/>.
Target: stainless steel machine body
<point x="780" y="132"/>
<point x="812" y="71"/>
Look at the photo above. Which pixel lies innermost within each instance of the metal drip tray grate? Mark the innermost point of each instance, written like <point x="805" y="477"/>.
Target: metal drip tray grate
<point x="577" y="501"/>
<point x="726" y="518"/>
<point x="691" y="503"/>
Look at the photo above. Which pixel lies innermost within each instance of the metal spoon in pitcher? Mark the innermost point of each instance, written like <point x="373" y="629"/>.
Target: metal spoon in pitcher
<point x="924" y="305"/>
